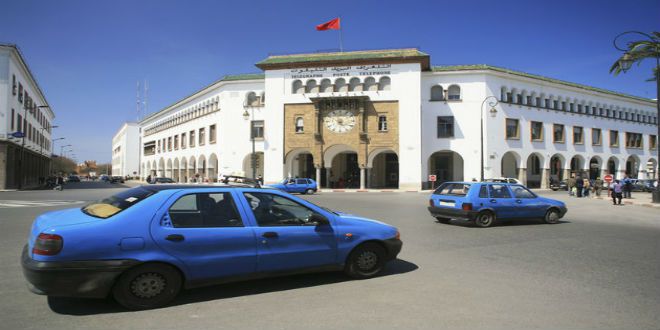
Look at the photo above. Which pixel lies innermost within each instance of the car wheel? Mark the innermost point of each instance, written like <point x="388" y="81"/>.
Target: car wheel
<point x="309" y="191"/>
<point x="485" y="219"/>
<point x="366" y="260"/>
<point x="147" y="286"/>
<point x="552" y="216"/>
<point x="443" y="220"/>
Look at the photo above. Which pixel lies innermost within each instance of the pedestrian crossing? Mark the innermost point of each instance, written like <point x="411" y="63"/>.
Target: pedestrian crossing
<point x="20" y="203"/>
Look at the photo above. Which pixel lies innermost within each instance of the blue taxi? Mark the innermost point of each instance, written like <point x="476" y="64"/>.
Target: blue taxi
<point x="297" y="185"/>
<point x="486" y="202"/>
<point x="145" y="244"/>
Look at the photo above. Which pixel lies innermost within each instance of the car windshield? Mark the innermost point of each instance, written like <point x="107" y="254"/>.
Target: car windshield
<point x="110" y="206"/>
<point x="453" y="189"/>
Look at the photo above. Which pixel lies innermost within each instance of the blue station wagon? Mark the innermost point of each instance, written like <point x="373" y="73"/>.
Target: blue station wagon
<point x="485" y="202"/>
<point x="297" y="185"/>
<point x="145" y="244"/>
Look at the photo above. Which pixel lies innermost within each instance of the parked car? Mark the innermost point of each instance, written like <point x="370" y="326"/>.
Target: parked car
<point x="240" y="180"/>
<point x="559" y="185"/>
<point x="162" y="180"/>
<point x="505" y="180"/>
<point x="644" y="185"/>
<point x="297" y="185"/>
<point x="483" y="203"/>
<point x="73" y="178"/>
<point x="116" y="179"/>
<point x="104" y="177"/>
<point x="143" y="245"/>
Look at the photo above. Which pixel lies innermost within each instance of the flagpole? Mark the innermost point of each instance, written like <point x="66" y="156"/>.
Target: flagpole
<point x="341" y="43"/>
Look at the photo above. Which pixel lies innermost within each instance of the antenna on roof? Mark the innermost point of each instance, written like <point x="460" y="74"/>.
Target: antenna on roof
<point x="142" y="95"/>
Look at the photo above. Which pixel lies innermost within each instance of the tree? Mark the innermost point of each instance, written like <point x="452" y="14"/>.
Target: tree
<point x="638" y="51"/>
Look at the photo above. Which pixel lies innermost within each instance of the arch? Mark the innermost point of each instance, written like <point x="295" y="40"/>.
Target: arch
<point x="161" y="167"/>
<point x="652" y="169"/>
<point x="251" y="99"/>
<point x="354" y="85"/>
<point x="192" y="169"/>
<point x="510" y="164"/>
<point x="213" y="168"/>
<point x="534" y="170"/>
<point x="175" y="170"/>
<point x="383" y="169"/>
<point x="183" y="176"/>
<point x="168" y="168"/>
<point x="524" y="95"/>
<point x="384" y="83"/>
<point x="612" y="166"/>
<point x="300" y="163"/>
<point x="577" y="165"/>
<point x="340" y="85"/>
<point x="446" y="165"/>
<point x="334" y="150"/>
<point x="299" y="125"/>
<point x="326" y="86"/>
<point x="633" y="166"/>
<point x="437" y="93"/>
<point x="595" y="167"/>
<point x="297" y="87"/>
<point x="370" y="84"/>
<point x="454" y="92"/>
<point x="504" y="97"/>
<point x="311" y="86"/>
<point x="259" y="162"/>
<point x="557" y="162"/>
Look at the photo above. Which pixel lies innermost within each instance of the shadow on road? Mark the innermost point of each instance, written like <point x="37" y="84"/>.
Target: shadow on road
<point x="72" y="306"/>
<point x="504" y="223"/>
<point x="94" y="185"/>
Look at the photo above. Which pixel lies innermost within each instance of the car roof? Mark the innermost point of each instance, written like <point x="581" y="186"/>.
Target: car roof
<point x="161" y="187"/>
<point x="484" y="182"/>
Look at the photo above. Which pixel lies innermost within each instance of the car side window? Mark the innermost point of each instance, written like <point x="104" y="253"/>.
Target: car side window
<point x="498" y="191"/>
<point x="483" y="192"/>
<point x="203" y="210"/>
<point x="273" y="210"/>
<point x="522" y="192"/>
<point x="301" y="181"/>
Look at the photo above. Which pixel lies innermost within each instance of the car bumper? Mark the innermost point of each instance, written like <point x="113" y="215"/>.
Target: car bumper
<point x="84" y="279"/>
<point x="393" y="246"/>
<point x="452" y="213"/>
<point x="562" y="211"/>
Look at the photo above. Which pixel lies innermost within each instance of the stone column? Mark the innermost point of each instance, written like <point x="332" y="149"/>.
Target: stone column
<point x="362" y="178"/>
<point x="327" y="177"/>
<point x="545" y="175"/>
<point x="318" y="175"/>
<point x="620" y="175"/>
<point x="567" y="173"/>
<point x="522" y="176"/>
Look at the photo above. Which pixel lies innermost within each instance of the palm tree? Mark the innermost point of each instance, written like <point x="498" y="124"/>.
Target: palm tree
<point x="636" y="52"/>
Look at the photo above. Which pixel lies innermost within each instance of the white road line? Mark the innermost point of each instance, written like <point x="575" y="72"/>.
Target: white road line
<point x="21" y="203"/>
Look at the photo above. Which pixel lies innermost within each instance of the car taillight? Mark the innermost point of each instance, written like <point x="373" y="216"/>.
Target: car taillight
<point x="467" y="206"/>
<point x="398" y="235"/>
<point x="430" y="202"/>
<point x="47" y="244"/>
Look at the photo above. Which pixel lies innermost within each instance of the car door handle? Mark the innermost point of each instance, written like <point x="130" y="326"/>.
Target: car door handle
<point x="175" y="238"/>
<point x="270" y="234"/>
<point x="518" y="201"/>
<point x="493" y="201"/>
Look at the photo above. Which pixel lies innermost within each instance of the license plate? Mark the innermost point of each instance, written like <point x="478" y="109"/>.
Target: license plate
<point x="446" y="203"/>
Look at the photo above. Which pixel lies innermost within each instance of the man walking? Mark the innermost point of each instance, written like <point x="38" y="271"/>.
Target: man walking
<point x="579" y="185"/>
<point x="571" y="184"/>
<point x="627" y="187"/>
<point x="598" y="186"/>
<point x="616" y="192"/>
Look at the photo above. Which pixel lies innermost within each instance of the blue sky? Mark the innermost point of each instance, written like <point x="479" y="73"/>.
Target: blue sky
<point x="88" y="55"/>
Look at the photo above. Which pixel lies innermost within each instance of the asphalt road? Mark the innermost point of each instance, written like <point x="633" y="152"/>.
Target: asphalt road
<point x="598" y="269"/>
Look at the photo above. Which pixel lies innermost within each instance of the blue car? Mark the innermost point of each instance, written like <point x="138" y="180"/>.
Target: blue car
<point x="297" y="185"/>
<point x="485" y="202"/>
<point x="145" y="244"/>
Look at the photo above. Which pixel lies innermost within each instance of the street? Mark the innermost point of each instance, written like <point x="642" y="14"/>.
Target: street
<point x="597" y="269"/>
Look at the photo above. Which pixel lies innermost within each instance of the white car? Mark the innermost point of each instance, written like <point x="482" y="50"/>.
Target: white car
<point x="506" y="180"/>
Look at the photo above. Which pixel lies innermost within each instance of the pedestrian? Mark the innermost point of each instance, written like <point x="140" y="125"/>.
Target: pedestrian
<point x="579" y="185"/>
<point x="260" y="179"/>
<point x="617" y="190"/>
<point x="586" y="187"/>
<point x="598" y="186"/>
<point x="571" y="185"/>
<point x="59" y="182"/>
<point x="149" y="178"/>
<point x="627" y="187"/>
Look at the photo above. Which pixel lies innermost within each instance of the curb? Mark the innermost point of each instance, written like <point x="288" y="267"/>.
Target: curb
<point x="324" y="191"/>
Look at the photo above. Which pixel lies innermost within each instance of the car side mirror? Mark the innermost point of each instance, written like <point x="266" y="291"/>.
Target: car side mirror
<point x="319" y="220"/>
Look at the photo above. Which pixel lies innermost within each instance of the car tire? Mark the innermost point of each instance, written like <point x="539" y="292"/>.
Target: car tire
<point x="551" y="216"/>
<point x="309" y="191"/>
<point x="443" y="220"/>
<point x="147" y="286"/>
<point x="485" y="219"/>
<point x="365" y="261"/>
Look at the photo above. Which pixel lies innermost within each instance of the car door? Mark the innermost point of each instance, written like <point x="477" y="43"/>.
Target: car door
<point x="286" y="238"/>
<point x="500" y="200"/>
<point x="527" y="205"/>
<point x="301" y="185"/>
<point x="204" y="230"/>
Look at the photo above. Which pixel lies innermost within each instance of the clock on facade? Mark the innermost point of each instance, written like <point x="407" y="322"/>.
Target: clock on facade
<point x="340" y="121"/>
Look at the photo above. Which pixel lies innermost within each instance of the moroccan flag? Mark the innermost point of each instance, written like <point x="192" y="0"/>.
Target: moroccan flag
<point x="330" y="25"/>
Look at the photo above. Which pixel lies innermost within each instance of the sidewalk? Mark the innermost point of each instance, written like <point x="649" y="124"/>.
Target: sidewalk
<point x="371" y="191"/>
<point x="638" y="198"/>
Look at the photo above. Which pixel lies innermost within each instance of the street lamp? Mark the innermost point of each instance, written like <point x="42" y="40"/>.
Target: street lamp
<point x="492" y="104"/>
<point x="625" y="62"/>
<point x="253" y="160"/>
<point x="62" y="148"/>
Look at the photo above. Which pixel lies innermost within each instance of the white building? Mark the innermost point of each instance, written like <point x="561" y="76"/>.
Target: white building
<point x="388" y="119"/>
<point x="23" y="109"/>
<point x="126" y="150"/>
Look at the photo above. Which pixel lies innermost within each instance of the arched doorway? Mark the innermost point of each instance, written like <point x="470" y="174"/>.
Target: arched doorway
<point x="342" y="170"/>
<point x="652" y="169"/>
<point x="184" y="169"/>
<point x="192" y="168"/>
<point x="577" y="165"/>
<point x="510" y="161"/>
<point x="300" y="164"/>
<point x="594" y="167"/>
<point x="201" y="169"/>
<point x="632" y="166"/>
<point x="534" y="171"/>
<point x="446" y="166"/>
<point x="612" y="165"/>
<point x="383" y="169"/>
<point x="258" y="162"/>
<point x="557" y="168"/>
<point x="175" y="170"/>
<point x="213" y="168"/>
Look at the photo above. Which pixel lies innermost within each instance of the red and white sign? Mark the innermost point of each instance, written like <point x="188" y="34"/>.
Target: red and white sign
<point x="432" y="178"/>
<point x="608" y="178"/>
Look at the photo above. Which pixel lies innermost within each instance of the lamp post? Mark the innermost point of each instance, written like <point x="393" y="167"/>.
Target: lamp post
<point x="492" y="104"/>
<point x="62" y="148"/>
<point x="253" y="160"/>
<point x="625" y="62"/>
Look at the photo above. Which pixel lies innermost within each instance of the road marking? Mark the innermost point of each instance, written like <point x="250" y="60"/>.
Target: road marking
<point x="20" y="203"/>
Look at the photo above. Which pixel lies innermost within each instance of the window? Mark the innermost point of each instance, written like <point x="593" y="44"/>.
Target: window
<point x="12" y="119"/>
<point x="191" y="142"/>
<point x="537" y="131"/>
<point x="498" y="191"/>
<point x="183" y="140"/>
<point x="300" y="125"/>
<point x="158" y="145"/>
<point x="555" y="105"/>
<point x="454" y="92"/>
<point x="384" y="83"/>
<point x="370" y="84"/>
<point x="354" y="85"/>
<point x="521" y="192"/>
<point x="272" y="210"/>
<point x="382" y="123"/>
<point x="20" y="93"/>
<point x="110" y="206"/>
<point x="176" y="142"/>
<point x="301" y="181"/>
<point x="169" y="143"/>
<point x="297" y="87"/>
<point x="633" y="140"/>
<point x="483" y="192"/>
<point x="202" y="136"/>
<point x="614" y="138"/>
<point x="453" y="189"/>
<point x="13" y="84"/>
<point x="558" y="133"/>
<point x="437" y="93"/>
<point x="445" y="126"/>
<point x="596" y="136"/>
<point x="512" y="128"/>
<point x="653" y="142"/>
<point x="19" y="123"/>
<point x="203" y="210"/>
<point x="212" y="134"/>
<point x="257" y="129"/>
<point x="578" y="137"/>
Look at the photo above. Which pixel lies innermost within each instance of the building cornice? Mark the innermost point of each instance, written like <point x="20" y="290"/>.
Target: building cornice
<point x="382" y="56"/>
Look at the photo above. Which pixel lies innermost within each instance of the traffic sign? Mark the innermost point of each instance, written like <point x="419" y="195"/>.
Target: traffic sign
<point x="432" y="178"/>
<point x="608" y="178"/>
